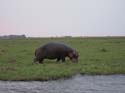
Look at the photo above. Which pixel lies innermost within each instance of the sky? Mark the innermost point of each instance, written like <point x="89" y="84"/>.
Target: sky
<point x="46" y="18"/>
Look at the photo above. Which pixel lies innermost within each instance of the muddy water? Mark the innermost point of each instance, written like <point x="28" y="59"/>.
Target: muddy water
<point x="77" y="84"/>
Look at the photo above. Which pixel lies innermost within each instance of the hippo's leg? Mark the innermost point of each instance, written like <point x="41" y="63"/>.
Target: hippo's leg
<point x="63" y="59"/>
<point x="34" y="60"/>
<point x="58" y="59"/>
<point x="41" y="61"/>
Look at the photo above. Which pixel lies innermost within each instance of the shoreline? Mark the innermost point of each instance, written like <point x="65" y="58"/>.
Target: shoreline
<point x="65" y="78"/>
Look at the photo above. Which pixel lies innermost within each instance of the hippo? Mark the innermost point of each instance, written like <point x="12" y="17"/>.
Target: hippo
<point x="55" y="50"/>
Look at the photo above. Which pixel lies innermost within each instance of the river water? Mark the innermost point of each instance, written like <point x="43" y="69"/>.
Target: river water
<point x="76" y="84"/>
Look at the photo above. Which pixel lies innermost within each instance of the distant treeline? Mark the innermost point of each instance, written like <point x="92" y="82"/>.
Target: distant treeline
<point x="12" y="36"/>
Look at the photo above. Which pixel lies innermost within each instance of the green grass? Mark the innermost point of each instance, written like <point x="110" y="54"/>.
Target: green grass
<point x="97" y="56"/>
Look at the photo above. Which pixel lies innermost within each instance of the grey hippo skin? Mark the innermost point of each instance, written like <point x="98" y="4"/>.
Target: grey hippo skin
<point x="54" y="50"/>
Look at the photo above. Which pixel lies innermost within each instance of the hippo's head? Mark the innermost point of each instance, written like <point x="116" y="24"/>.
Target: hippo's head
<point x="73" y="55"/>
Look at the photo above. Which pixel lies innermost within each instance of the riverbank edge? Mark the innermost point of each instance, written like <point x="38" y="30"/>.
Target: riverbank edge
<point x="61" y="78"/>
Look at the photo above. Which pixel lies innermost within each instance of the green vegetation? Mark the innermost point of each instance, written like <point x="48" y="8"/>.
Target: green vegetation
<point x="97" y="56"/>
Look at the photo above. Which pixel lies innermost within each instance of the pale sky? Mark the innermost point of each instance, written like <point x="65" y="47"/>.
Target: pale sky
<point x="43" y="18"/>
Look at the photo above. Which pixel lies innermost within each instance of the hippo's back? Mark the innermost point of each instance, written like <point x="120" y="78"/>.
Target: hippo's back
<point x="52" y="49"/>
<point x="55" y="46"/>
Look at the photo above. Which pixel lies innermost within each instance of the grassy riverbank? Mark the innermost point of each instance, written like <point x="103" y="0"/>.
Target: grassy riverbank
<point x="97" y="56"/>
